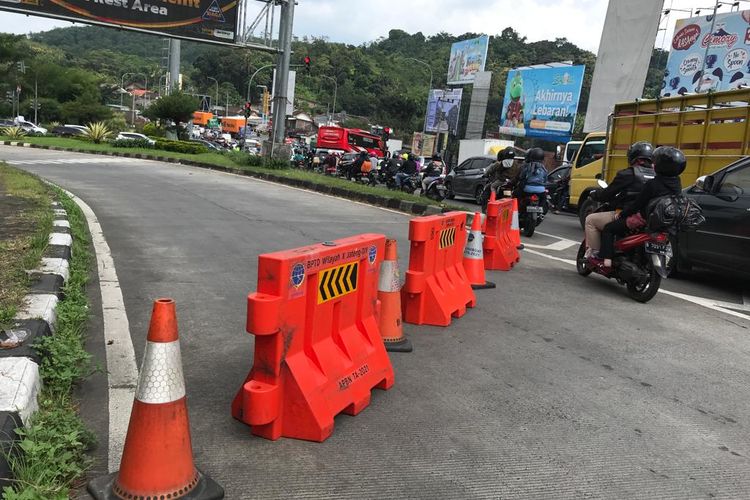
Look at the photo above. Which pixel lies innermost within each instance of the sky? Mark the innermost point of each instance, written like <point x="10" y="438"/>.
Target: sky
<point x="359" y="21"/>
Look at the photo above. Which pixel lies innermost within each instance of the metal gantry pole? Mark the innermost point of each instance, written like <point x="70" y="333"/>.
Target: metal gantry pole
<point x="174" y="64"/>
<point x="282" y="71"/>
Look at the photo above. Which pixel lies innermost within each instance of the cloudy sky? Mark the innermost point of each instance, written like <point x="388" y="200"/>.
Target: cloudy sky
<point x="357" y="21"/>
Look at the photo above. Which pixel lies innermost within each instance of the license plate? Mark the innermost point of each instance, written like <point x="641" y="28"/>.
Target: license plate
<point x="507" y="194"/>
<point x="657" y="248"/>
<point x="537" y="210"/>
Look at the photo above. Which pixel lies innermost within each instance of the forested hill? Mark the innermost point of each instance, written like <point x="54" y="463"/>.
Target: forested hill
<point x="376" y="80"/>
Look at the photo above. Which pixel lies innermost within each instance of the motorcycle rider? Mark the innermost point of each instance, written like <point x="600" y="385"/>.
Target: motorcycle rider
<point x="628" y="181"/>
<point x="357" y="166"/>
<point x="408" y="169"/>
<point x="533" y="176"/>
<point x="432" y="171"/>
<point x="502" y="170"/>
<point x="669" y="163"/>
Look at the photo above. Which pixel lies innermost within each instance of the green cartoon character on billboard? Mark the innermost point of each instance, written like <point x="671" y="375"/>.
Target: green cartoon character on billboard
<point x="514" y="113"/>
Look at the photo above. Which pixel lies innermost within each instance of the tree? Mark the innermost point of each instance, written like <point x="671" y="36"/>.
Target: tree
<point x="176" y="107"/>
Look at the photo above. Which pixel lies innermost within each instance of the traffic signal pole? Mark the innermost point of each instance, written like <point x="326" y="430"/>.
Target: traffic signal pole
<point x="282" y="72"/>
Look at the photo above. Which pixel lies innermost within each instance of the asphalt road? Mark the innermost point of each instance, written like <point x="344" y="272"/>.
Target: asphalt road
<point x="555" y="386"/>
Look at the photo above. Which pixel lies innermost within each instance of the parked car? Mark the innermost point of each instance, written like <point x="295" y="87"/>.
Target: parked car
<point x="68" y="130"/>
<point x="7" y="123"/>
<point x="210" y="145"/>
<point x="133" y="136"/>
<point x="723" y="241"/>
<point x="467" y="179"/>
<point x="30" y="128"/>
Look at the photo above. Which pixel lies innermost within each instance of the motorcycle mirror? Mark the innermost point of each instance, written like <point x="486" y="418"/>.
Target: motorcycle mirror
<point x="602" y="184"/>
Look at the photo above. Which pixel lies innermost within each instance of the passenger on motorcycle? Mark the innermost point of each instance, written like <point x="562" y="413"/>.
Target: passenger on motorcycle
<point x="669" y="163"/>
<point x="625" y="187"/>
<point x="533" y="176"/>
<point x="432" y="171"/>
<point x="358" y="166"/>
<point x="408" y="168"/>
<point x="503" y="169"/>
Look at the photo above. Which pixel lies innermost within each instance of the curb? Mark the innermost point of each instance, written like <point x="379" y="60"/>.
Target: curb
<point x="409" y="207"/>
<point x="19" y="362"/>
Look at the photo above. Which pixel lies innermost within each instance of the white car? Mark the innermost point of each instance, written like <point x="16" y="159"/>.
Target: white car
<point x="30" y="127"/>
<point x="133" y="136"/>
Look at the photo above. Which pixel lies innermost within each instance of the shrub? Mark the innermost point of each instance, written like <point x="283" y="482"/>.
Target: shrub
<point x="190" y="148"/>
<point x="98" y="132"/>
<point x="117" y="124"/>
<point x="153" y="130"/>
<point x="131" y="143"/>
<point x="14" y="132"/>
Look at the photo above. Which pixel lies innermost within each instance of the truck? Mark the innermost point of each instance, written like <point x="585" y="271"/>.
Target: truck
<point x="713" y="130"/>
<point x="480" y="147"/>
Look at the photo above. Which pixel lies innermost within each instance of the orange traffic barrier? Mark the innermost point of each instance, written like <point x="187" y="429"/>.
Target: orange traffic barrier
<point x="318" y="349"/>
<point x="473" y="256"/>
<point x="157" y="460"/>
<point x="515" y="228"/>
<point x="389" y="295"/>
<point x="500" y="252"/>
<point x="436" y="286"/>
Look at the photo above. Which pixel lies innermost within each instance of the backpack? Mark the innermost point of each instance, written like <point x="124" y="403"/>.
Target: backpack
<point x="673" y="214"/>
<point x="537" y="176"/>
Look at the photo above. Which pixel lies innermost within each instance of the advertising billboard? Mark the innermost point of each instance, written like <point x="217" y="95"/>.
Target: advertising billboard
<point x="203" y="20"/>
<point x="467" y="59"/>
<point x="542" y="102"/>
<point x="701" y="59"/>
<point x="443" y="109"/>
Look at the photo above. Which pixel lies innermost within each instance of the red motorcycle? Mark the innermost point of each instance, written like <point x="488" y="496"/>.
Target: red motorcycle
<point x="640" y="263"/>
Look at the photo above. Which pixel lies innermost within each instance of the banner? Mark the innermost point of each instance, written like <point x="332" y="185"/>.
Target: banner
<point x="422" y="144"/>
<point x="443" y="109"/>
<point x="467" y="59"/>
<point x="202" y="20"/>
<point x="542" y="102"/>
<point x="701" y="60"/>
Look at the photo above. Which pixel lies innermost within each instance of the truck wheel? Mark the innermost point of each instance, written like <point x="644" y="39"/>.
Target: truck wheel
<point x="586" y="208"/>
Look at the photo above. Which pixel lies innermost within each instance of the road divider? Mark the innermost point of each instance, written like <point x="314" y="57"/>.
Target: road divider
<point x="437" y="287"/>
<point x="500" y="247"/>
<point x="318" y="346"/>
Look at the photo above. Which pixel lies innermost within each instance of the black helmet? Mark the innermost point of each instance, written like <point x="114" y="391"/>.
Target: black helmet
<point x="669" y="161"/>
<point x="363" y="154"/>
<point x="506" y="154"/>
<point x="437" y="158"/>
<point x="534" y="154"/>
<point x="641" y="150"/>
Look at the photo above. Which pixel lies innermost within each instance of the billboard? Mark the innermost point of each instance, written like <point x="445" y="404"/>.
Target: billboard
<point x="422" y="144"/>
<point x="203" y="20"/>
<point x="443" y="109"/>
<point x="467" y="59"/>
<point x="542" y="102"/>
<point x="701" y="59"/>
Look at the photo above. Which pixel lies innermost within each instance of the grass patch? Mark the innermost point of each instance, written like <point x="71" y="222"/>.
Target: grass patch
<point x="25" y="225"/>
<point x="238" y="161"/>
<point x="51" y="458"/>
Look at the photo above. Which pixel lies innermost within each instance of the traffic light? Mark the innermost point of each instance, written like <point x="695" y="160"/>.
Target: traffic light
<point x="386" y="133"/>
<point x="307" y="64"/>
<point x="248" y="110"/>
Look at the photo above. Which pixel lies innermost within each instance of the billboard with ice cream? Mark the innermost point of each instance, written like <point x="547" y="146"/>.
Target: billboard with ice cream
<point x="709" y="54"/>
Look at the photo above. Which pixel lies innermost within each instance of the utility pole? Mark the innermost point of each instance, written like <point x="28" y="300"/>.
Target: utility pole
<point x="174" y="64"/>
<point x="282" y="80"/>
<point x="36" y="100"/>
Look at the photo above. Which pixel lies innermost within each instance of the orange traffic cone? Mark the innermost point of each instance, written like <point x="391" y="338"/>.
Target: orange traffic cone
<point x="389" y="295"/>
<point x="493" y="196"/>
<point x="474" y="256"/>
<point x="515" y="228"/>
<point x="157" y="460"/>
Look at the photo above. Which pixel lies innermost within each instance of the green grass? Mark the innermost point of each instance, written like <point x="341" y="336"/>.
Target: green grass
<point x="25" y="231"/>
<point x="51" y="458"/>
<point x="238" y="162"/>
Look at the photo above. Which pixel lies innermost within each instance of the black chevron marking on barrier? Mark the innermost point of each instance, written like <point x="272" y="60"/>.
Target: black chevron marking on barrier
<point x="447" y="237"/>
<point x="337" y="281"/>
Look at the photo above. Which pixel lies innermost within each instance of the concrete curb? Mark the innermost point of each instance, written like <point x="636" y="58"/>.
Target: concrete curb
<point x="409" y="207"/>
<point x="19" y="362"/>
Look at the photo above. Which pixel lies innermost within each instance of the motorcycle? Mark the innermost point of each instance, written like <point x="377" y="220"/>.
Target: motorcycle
<point x="531" y="210"/>
<point x="437" y="189"/>
<point x="640" y="262"/>
<point x="505" y="190"/>
<point x="411" y="184"/>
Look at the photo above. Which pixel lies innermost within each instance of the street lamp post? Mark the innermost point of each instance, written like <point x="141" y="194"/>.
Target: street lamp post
<point x="429" y="89"/>
<point x="217" y="91"/>
<point x="335" y="93"/>
<point x="250" y="82"/>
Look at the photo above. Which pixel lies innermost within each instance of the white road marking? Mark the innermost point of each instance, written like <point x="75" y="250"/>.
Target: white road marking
<point x="122" y="371"/>
<point x="746" y="299"/>
<point x="708" y="303"/>
<point x="71" y="161"/>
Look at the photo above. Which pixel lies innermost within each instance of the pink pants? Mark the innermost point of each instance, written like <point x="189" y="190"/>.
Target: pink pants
<point x="594" y="225"/>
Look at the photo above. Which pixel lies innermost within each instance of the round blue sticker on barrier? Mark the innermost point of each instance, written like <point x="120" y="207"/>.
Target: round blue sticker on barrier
<point x="298" y="275"/>
<point x="373" y="254"/>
